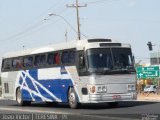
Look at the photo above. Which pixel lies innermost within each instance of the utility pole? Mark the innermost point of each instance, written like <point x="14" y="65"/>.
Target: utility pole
<point x="77" y="13"/>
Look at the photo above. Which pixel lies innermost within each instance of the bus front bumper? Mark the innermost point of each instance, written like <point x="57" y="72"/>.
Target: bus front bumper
<point x="99" y="98"/>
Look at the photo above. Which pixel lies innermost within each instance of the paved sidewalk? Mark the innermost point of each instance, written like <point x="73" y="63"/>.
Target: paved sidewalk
<point x="148" y="97"/>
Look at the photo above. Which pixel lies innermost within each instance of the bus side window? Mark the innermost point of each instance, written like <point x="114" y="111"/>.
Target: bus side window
<point x="37" y="60"/>
<point x="17" y="63"/>
<point x="68" y="57"/>
<point x="7" y="64"/>
<point x="64" y="57"/>
<point x="57" y="58"/>
<point x="50" y="59"/>
<point x="43" y="60"/>
<point x="82" y="63"/>
<point x="71" y="58"/>
<point x="53" y="58"/>
<point x="40" y="60"/>
<point x="28" y="61"/>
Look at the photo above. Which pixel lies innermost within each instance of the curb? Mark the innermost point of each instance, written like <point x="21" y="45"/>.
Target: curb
<point x="149" y="100"/>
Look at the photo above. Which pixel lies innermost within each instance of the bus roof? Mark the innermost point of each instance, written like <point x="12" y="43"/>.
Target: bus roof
<point x="48" y="48"/>
<point x="79" y="45"/>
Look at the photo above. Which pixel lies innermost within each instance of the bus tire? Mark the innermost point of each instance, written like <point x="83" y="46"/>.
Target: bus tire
<point x="19" y="99"/>
<point x="72" y="99"/>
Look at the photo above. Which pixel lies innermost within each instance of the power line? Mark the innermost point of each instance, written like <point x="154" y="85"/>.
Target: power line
<point x="34" y="26"/>
<point x="68" y="24"/>
<point x="32" y="22"/>
<point x="35" y="29"/>
<point x="30" y="30"/>
<point x="22" y="32"/>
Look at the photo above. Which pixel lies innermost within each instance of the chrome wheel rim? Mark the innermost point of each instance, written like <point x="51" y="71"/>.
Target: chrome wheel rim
<point x="72" y="98"/>
<point x="19" y="97"/>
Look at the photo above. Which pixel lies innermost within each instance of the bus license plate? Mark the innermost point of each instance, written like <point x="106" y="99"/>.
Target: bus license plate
<point x="116" y="97"/>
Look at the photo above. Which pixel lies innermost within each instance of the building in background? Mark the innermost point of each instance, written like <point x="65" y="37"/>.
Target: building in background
<point x="155" y="58"/>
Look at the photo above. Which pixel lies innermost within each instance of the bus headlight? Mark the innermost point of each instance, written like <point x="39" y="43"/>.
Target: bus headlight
<point x="131" y="87"/>
<point x="97" y="88"/>
<point x="92" y="89"/>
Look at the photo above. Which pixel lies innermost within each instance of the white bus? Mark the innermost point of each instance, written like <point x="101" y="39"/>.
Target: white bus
<point x="84" y="71"/>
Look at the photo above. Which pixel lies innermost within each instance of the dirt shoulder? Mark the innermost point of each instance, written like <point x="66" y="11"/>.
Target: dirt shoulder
<point x="148" y="97"/>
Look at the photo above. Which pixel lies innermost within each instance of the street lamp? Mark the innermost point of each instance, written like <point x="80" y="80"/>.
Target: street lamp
<point x="52" y="14"/>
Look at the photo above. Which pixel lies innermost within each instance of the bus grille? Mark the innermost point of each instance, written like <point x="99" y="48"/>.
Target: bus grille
<point x="117" y="88"/>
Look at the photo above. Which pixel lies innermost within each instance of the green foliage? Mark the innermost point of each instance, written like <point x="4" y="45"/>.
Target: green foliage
<point x="155" y="81"/>
<point x="137" y="65"/>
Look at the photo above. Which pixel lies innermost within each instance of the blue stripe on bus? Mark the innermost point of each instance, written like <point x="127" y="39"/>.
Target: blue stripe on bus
<point x="20" y="81"/>
<point x="26" y="95"/>
<point x="58" y="87"/>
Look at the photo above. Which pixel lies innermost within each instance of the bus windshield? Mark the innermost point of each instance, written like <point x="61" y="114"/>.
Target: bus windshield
<point x="109" y="60"/>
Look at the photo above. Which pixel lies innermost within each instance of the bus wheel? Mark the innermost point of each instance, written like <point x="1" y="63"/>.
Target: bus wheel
<point x="72" y="99"/>
<point x="19" y="99"/>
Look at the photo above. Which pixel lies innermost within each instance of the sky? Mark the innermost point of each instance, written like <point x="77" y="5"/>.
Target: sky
<point x="25" y="24"/>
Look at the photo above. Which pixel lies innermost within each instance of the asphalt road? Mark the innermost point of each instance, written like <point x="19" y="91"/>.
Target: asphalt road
<point x="41" y="111"/>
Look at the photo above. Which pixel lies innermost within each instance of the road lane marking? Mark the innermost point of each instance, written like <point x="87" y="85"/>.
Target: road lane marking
<point x="29" y="110"/>
<point x="109" y="117"/>
<point x="54" y="112"/>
